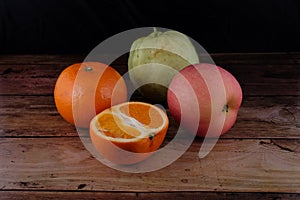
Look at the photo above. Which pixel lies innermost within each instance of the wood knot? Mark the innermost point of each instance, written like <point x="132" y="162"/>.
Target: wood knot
<point x="284" y="116"/>
<point x="184" y="180"/>
<point x="81" y="186"/>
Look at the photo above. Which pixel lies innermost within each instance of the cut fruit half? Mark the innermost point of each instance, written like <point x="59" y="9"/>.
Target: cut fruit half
<point x="129" y="132"/>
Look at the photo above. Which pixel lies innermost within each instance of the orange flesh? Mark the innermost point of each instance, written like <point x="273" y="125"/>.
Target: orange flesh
<point x="113" y="126"/>
<point x="125" y="122"/>
<point x="144" y="114"/>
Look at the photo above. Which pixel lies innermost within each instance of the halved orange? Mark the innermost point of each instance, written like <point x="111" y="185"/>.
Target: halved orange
<point x="129" y="132"/>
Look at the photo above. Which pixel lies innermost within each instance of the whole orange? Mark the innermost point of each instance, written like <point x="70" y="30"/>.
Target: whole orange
<point x="83" y="90"/>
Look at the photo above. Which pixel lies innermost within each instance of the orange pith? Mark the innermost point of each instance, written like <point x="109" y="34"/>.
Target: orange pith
<point x="144" y="114"/>
<point x="132" y="126"/>
<point x="110" y="126"/>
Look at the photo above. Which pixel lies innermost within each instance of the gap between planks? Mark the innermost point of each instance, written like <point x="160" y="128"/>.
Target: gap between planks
<point x="143" y="195"/>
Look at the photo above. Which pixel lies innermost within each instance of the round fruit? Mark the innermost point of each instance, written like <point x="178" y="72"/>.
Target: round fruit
<point x="83" y="90"/>
<point x="218" y="97"/>
<point x="129" y="132"/>
<point x="156" y="58"/>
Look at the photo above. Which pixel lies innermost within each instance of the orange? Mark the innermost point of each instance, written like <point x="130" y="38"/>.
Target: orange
<point x="83" y="90"/>
<point x="135" y="127"/>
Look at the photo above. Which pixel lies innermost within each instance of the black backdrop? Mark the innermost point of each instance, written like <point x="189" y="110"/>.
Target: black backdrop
<point x="77" y="26"/>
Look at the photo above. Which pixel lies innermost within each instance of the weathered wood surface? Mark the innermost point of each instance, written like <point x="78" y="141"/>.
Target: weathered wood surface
<point x="63" y="163"/>
<point x="259" y="117"/>
<point x="25" y="195"/>
<point x="282" y="58"/>
<point x="255" y="79"/>
<point x="42" y="157"/>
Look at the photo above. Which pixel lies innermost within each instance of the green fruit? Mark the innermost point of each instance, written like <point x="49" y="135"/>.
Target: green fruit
<point x="156" y="59"/>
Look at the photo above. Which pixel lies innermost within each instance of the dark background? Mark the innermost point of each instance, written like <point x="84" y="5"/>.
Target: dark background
<point x="77" y="26"/>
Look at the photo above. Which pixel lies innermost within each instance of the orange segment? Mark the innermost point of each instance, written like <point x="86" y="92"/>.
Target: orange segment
<point x="112" y="126"/>
<point x="143" y="113"/>
<point x="135" y="127"/>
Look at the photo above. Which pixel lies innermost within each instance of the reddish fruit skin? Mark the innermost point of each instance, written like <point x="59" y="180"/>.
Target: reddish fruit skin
<point x="201" y="77"/>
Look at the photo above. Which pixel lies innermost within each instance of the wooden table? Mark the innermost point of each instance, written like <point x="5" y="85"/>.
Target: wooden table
<point x="42" y="157"/>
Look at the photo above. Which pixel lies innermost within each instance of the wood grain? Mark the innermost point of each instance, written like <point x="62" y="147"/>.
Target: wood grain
<point x="25" y="195"/>
<point x="41" y="59"/>
<point x="219" y="58"/>
<point x="32" y="195"/>
<point x="256" y="77"/>
<point x="42" y="157"/>
<point x="23" y="116"/>
<point x="259" y="117"/>
<point x="233" y="165"/>
<point x="272" y="58"/>
<point x="31" y="79"/>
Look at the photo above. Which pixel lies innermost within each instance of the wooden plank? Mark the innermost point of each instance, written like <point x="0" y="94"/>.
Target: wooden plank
<point x="255" y="79"/>
<point x="28" y="79"/>
<point x="58" y="59"/>
<point x="264" y="58"/>
<point x="265" y="74"/>
<point x="218" y="195"/>
<point x="25" y="195"/>
<point x="259" y="117"/>
<point x="266" y="79"/>
<point x="296" y="56"/>
<point x="233" y="166"/>
<point x="219" y="58"/>
<point x="20" y="195"/>
<point x="42" y="157"/>
<point x="32" y="79"/>
<point x="41" y="59"/>
<point x="23" y="116"/>
<point x="267" y="117"/>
